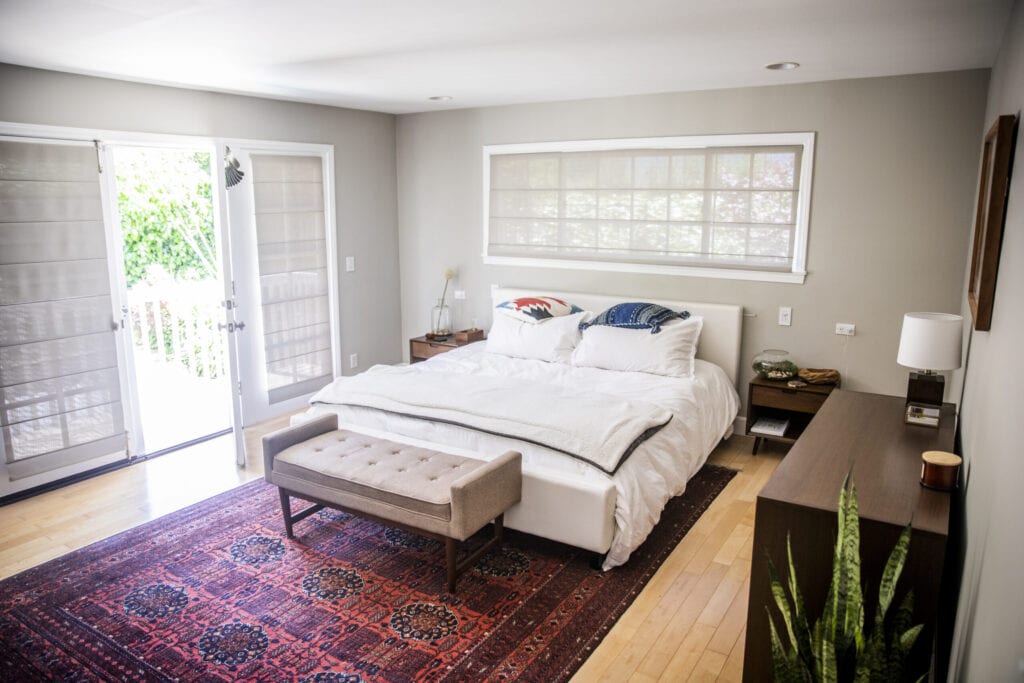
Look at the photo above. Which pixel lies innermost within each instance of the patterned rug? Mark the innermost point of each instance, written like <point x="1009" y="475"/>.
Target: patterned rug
<point x="215" y="592"/>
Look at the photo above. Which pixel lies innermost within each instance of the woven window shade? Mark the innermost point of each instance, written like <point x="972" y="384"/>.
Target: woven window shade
<point x="288" y="196"/>
<point x="60" y="400"/>
<point x="733" y="206"/>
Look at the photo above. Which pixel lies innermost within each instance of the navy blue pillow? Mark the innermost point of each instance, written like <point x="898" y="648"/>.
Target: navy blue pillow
<point x="636" y="316"/>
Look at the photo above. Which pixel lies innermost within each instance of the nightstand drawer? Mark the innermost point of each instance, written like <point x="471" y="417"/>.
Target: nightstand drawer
<point x="425" y="349"/>
<point x="787" y="398"/>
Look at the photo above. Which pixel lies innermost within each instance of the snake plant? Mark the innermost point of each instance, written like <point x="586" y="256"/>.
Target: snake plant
<point x="837" y="648"/>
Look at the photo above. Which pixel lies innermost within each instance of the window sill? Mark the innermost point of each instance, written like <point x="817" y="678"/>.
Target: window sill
<point x="796" y="278"/>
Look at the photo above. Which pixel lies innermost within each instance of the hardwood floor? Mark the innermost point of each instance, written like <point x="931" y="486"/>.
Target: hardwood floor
<point x="687" y="624"/>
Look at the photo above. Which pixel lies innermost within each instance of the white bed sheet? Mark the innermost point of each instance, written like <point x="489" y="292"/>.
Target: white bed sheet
<point x="703" y="408"/>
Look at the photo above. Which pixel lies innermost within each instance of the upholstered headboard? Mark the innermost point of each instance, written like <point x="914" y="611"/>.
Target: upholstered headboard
<point x="719" y="337"/>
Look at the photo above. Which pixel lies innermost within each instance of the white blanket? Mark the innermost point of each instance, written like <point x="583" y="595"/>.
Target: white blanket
<point x="703" y="409"/>
<point x="599" y="428"/>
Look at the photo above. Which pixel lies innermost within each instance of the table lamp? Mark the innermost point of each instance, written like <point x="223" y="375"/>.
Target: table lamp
<point x="929" y="342"/>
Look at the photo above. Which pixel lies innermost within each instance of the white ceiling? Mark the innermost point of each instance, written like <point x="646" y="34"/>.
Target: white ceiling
<point x="391" y="55"/>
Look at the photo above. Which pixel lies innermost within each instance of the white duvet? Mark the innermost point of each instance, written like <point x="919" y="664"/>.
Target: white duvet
<point x="703" y="409"/>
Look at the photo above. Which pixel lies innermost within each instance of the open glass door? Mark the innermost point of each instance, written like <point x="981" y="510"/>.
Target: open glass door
<point x="62" y="365"/>
<point x="173" y="292"/>
<point x="283" y="260"/>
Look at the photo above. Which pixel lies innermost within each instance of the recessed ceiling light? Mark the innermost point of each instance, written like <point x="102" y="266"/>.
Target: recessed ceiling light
<point x="782" y="66"/>
<point x="440" y="98"/>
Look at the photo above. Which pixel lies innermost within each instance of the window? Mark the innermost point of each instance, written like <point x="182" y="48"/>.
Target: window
<point x="715" y="206"/>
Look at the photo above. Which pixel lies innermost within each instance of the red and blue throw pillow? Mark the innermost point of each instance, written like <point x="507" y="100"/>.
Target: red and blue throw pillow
<point x="636" y="316"/>
<point x="536" y="309"/>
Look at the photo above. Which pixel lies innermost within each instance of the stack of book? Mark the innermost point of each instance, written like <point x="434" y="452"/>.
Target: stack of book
<point x="770" y="426"/>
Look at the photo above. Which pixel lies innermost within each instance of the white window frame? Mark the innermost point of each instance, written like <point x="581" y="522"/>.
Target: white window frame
<point x="794" y="276"/>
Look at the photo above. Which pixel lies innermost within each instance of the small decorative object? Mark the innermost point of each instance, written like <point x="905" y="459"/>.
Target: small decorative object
<point x="926" y="416"/>
<point x="470" y="335"/>
<point x="940" y="470"/>
<point x="820" y="376"/>
<point x="989" y="217"/>
<point x="929" y="342"/>
<point x="839" y="646"/>
<point x="233" y="173"/>
<point x="796" y="383"/>
<point x="441" y="313"/>
<point x="774" y="364"/>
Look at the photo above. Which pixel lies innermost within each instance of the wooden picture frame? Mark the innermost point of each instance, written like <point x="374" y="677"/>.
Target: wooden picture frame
<point x="996" y="156"/>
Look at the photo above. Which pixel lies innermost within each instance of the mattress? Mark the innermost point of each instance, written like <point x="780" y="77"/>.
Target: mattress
<point x="703" y="409"/>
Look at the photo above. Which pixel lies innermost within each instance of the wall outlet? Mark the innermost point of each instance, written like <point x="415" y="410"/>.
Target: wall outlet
<point x="353" y="360"/>
<point x="350" y="264"/>
<point x="460" y="294"/>
<point x="785" y="315"/>
<point x="846" y="329"/>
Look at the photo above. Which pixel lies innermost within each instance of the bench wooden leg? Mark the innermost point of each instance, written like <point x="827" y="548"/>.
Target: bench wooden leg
<point x="450" y="548"/>
<point x="456" y="569"/>
<point x="286" y="512"/>
<point x="289" y="518"/>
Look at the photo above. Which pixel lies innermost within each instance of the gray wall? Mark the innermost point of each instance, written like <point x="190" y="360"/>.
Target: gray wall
<point x="364" y="153"/>
<point x="893" y="193"/>
<point x="989" y="639"/>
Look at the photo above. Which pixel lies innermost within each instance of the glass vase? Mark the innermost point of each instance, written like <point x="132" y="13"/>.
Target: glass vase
<point x="774" y="364"/>
<point x="440" y="320"/>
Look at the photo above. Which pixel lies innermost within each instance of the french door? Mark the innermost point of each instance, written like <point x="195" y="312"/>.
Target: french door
<point x="67" y="398"/>
<point x="63" y="400"/>
<point x="283" y="261"/>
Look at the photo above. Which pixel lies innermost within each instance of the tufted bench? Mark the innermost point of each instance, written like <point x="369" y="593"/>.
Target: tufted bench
<point x="435" y="494"/>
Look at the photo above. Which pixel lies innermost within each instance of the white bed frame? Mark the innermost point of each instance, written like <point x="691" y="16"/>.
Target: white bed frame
<point x="576" y="511"/>
<point x="580" y="513"/>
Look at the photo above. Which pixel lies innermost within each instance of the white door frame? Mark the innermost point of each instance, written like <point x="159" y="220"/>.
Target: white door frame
<point x="109" y="137"/>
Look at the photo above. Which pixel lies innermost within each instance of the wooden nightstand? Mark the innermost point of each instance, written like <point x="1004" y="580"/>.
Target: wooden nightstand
<point x="421" y="348"/>
<point x="773" y="398"/>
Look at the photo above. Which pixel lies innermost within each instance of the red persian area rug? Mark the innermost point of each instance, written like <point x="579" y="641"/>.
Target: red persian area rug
<point x="216" y="592"/>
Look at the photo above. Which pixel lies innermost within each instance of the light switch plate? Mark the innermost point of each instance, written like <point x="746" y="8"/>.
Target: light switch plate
<point x="785" y="315"/>
<point x="846" y="329"/>
<point x="460" y="294"/>
<point x="350" y="264"/>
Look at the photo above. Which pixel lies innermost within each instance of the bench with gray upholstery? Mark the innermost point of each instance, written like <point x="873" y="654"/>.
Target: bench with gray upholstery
<point x="435" y="494"/>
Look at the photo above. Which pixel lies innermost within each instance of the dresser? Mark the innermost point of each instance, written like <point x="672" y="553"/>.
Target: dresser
<point x="865" y="432"/>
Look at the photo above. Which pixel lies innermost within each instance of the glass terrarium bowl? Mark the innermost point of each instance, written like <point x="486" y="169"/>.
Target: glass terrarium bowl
<point x="774" y="364"/>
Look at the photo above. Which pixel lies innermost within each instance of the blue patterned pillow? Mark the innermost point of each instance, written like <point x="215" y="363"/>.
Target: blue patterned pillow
<point x="636" y="316"/>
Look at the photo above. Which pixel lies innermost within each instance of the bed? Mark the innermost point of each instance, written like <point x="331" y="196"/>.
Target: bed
<point x="607" y="507"/>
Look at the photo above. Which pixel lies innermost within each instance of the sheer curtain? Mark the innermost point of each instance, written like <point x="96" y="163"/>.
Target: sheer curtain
<point x="60" y="399"/>
<point x="288" y="198"/>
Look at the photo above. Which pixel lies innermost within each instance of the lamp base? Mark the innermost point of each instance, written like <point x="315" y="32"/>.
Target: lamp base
<point x="926" y="388"/>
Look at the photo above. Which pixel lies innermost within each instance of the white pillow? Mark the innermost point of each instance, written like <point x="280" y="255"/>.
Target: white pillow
<point x="669" y="352"/>
<point x="552" y="340"/>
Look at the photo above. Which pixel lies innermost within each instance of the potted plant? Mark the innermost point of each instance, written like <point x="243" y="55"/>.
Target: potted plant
<point x="838" y="648"/>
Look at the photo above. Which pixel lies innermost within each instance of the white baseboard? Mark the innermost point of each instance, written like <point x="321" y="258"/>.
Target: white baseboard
<point x="739" y="425"/>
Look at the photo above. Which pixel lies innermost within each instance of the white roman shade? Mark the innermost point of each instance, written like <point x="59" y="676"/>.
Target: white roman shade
<point x="288" y="196"/>
<point x="727" y="207"/>
<point x="60" y="399"/>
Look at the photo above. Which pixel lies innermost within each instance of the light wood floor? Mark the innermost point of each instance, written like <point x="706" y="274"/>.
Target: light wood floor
<point x="687" y="624"/>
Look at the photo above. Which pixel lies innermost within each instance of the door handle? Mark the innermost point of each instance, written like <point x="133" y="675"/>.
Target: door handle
<point x="240" y="326"/>
<point x="231" y="327"/>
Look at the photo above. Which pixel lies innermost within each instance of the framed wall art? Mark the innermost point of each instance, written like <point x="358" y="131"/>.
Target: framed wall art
<point x="996" y="161"/>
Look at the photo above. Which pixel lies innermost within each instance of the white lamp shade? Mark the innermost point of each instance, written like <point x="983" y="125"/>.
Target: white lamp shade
<point x="931" y="341"/>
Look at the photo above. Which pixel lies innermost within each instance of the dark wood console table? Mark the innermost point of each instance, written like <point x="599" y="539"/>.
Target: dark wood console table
<point x="867" y="432"/>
